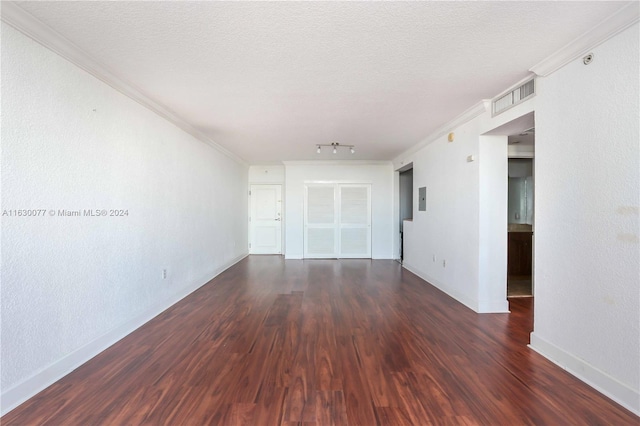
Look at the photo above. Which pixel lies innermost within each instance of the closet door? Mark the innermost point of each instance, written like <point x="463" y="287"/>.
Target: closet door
<point x="320" y="221"/>
<point x="355" y="221"/>
<point x="337" y="221"/>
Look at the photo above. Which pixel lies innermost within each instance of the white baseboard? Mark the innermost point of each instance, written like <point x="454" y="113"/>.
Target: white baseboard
<point x="479" y="306"/>
<point x="19" y="393"/>
<point x="493" y="306"/>
<point x="301" y="257"/>
<point x="594" y="377"/>
<point x="441" y="286"/>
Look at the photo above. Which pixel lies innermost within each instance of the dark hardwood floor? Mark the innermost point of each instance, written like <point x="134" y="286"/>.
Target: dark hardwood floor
<point x="519" y="286"/>
<point x="357" y="342"/>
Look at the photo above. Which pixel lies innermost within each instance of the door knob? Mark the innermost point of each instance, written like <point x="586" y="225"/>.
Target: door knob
<point x="277" y="218"/>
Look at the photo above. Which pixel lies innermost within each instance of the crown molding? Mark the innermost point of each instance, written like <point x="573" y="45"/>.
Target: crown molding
<point x="608" y="28"/>
<point x="35" y="29"/>
<point x="473" y="112"/>
<point x="337" y="163"/>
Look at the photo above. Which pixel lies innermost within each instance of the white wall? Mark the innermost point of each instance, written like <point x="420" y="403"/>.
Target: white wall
<point x="380" y="176"/>
<point x="448" y="229"/>
<point x="587" y="189"/>
<point x="268" y="174"/>
<point x="465" y="226"/>
<point x="587" y="256"/>
<point x="493" y="181"/>
<point x="73" y="285"/>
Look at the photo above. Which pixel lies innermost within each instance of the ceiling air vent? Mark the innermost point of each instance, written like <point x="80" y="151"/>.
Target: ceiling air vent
<point x="514" y="97"/>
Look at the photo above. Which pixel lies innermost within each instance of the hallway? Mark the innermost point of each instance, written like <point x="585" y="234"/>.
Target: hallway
<point x="322" y="342"/>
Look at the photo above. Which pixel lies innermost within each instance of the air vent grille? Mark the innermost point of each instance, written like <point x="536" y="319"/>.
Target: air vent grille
<point x="514" y="97"/>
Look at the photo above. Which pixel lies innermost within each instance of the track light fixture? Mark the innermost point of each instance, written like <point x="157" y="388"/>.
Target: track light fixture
<point x="335" y="146"/>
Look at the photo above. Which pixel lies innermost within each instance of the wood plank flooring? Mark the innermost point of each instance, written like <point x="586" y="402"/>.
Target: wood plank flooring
<point x="519" y="286"/>
<point x="358" y="342"/>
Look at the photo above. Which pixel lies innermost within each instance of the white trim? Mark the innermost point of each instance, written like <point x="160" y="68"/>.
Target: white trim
<point x="21" y="392"/>
<point x="267" y="183"/>
<point x="27" y="24"/>
<point x="609" y="27"/>
<point x="293" y="257"/>
<point x="597" y="379"/>
<point x="468" y="115"/>
<point x="443" y="287"/>
<point x="337" y="163"/>
<point x="338" y="182"/>
<point x="482" y="306"/>
<point x="500" y="306"/>
<point x="404" y="167"/>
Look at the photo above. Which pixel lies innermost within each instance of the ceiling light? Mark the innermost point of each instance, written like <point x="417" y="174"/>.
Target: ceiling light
<point x="335" y="146"/>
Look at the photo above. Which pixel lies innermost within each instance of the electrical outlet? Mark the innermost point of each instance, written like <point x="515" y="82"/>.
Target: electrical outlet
<point x="444" y="263"/>
<point x="164" y="274"/>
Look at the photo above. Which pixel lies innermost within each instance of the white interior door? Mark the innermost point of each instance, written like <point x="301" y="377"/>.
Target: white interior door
<point x="265" y="221"/>
<point x="337" y="221"/>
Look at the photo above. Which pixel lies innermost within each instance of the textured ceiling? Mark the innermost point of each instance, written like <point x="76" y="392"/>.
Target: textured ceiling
<point x="269" y="80"/>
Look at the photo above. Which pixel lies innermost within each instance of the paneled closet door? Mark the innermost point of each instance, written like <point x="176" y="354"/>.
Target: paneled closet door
<point x="320" y="221"/>
<point x="337" y="221"/>
<point x="355" y="221"/>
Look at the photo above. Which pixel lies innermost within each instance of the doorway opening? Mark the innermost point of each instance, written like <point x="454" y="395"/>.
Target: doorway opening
<point x="520" y="227"/>
<point x="518" y="195"/>
<point x="406" y="201"/>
